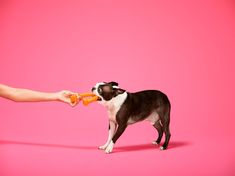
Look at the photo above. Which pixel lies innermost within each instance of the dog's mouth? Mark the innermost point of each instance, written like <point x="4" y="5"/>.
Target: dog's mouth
<point x="99" y="98"/>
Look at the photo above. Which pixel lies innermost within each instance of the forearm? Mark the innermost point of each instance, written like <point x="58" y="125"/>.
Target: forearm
<point x="17" y="94"/>
<point x="30" y="95"/>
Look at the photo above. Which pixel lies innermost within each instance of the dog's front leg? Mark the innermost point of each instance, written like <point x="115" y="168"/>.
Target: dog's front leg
<point x="120" y="130"/>
<point x="112" y="130"/>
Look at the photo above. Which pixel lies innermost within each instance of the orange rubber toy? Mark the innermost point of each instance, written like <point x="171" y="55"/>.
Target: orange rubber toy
<point x="86" y="98"/>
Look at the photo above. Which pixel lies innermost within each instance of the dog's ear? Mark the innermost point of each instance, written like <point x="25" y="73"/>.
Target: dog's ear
<point x="119" y="91"/>
<point x="113" y="83"/>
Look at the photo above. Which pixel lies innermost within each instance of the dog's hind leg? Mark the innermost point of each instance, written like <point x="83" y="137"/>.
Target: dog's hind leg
<point x="165" y="123"/>
<point x="158" y="127"/>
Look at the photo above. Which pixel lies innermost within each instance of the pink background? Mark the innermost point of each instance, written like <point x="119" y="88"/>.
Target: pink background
<point x="184" y="48"/>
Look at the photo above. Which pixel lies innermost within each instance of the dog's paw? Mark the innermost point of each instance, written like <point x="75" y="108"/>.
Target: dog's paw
<point x="155" y="143"/>
<point x="162" y="148"/>
<point x="102" y="147"/>
<point x="109" y="148"/>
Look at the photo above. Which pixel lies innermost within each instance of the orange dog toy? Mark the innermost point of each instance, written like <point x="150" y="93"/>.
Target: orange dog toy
<point x="86" y="98"/>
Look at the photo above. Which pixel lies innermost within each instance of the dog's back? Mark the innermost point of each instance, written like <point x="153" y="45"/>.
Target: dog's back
<point x="151" y="105"/>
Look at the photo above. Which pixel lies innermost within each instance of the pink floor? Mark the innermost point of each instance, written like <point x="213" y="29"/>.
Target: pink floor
<point x="184" y="48"/>
<point x="182" y="158"/>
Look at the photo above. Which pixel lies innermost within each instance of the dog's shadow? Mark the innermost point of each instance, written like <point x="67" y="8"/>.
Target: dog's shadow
<point x="129" y="148"/>
<point x="149" y="146"/>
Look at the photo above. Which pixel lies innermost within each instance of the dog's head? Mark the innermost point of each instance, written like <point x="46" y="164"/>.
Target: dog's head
<point x="107" y="91"/>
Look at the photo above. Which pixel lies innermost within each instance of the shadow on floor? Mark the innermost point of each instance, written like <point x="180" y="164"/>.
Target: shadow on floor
<point x="148" y="146"/>
<point x="5" y="142"/>
<point x="129" y="148"/>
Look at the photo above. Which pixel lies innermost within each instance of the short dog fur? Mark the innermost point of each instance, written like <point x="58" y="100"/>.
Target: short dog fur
<point x="126" y="108"/>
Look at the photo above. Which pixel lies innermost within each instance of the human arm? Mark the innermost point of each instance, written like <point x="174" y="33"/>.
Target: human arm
<point x="27" y="95"/>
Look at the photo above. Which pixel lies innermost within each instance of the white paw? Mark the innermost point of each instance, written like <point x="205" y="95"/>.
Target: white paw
<point x="103" y="147"/>
<point x="155" y="143"/>
<point x="109" y="148"/>
<point x="161" y="148"/>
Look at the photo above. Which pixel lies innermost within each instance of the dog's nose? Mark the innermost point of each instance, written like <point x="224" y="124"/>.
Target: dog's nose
<point x="93" y="88"/>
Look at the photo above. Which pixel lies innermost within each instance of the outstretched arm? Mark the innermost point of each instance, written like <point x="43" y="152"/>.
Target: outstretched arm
<point x="27" y="95"/>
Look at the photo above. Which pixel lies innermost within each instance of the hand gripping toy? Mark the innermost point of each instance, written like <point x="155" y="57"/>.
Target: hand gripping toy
<point x="86" y="98"/>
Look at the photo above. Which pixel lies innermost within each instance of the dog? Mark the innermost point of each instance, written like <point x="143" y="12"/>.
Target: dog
<point x="126" y="108"/>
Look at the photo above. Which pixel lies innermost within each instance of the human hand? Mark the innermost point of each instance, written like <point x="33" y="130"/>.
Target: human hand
<point x="65" y="95"/>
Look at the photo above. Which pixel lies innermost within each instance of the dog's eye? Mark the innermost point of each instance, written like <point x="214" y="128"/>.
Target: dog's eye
<point x="100" y="90"/>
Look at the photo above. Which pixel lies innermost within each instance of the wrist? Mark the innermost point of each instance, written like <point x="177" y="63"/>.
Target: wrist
<point x="59" y="96"/>
<point x="54" y="96"/>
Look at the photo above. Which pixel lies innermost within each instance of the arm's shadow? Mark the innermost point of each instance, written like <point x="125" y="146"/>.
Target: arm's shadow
<point x="38" y="144"/>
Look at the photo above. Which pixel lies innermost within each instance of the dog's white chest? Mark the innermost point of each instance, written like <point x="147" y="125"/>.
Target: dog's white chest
<point x="112" y="112"/>
<point x="114" y="105"/>
<point x="112" y="115"/>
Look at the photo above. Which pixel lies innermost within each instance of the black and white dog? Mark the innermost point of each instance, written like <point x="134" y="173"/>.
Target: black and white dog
<point x="126" y="108"/>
